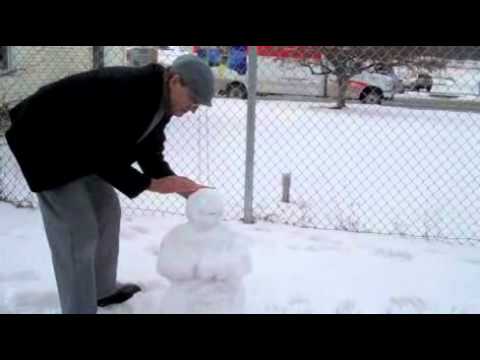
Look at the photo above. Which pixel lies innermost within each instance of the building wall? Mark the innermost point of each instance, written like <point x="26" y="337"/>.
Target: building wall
<point x="39" y="65"/>
<point x="35" y="66"/>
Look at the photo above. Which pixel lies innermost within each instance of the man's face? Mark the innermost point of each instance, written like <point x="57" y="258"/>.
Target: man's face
<point x="182" y="100"/>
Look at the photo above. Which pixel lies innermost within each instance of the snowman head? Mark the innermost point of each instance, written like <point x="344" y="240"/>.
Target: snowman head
<point x="205" y="209"/>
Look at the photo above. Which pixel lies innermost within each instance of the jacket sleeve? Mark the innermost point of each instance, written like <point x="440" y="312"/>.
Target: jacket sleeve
<point x="151" y="158"/>
<point x="126" y="179"/>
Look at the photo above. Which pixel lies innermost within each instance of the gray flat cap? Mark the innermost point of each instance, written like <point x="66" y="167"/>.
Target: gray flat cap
<point x="197" y="76"/>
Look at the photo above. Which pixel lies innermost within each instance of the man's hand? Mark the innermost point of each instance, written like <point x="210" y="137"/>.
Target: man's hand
<point x="174" y="185"/>
<point x="186" y="195"/>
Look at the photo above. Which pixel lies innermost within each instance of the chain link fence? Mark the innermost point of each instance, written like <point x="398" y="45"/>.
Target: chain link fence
<point x="372" y="139"/>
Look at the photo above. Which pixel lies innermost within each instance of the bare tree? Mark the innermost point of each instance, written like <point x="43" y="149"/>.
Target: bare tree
<point x="345" y="62"/>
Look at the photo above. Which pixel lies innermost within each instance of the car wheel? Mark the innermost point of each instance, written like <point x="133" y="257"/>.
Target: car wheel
<point x="237" y="91"/>
<point x="371" y="96"/>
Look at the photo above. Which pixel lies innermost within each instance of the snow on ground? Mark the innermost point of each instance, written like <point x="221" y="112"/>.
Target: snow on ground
<point x="441" y="96"/>
<point x="295" y="270"/>
<point x="365" y="168"/>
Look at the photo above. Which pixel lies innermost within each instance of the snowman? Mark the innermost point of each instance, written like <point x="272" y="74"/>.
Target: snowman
<point x="204" y="260"/>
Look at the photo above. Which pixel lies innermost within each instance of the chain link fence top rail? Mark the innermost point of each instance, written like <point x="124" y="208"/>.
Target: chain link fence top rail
<point x="377" y="139"/>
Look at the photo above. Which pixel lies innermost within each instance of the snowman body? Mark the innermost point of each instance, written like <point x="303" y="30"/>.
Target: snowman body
<point x="204" y="261"/>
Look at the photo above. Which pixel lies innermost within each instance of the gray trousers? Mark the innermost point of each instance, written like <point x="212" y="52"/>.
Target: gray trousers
<point x="82" y="223"/>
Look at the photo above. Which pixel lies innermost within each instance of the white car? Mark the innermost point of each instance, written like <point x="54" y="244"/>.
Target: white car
<point x="290" y="78"/>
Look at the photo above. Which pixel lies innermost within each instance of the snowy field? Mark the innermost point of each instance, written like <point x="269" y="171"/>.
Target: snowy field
<point x="367" y="168"/>
<point x="295" y="271"/>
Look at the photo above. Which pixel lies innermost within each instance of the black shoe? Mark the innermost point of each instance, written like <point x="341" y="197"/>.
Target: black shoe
<point x="124" y="293"/>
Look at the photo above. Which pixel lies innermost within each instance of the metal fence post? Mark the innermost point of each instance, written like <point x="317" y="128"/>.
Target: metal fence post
<point x="250" y="152"/>
<point x="98" y="57"/>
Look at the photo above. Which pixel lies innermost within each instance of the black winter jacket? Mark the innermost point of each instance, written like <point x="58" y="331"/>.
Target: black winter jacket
<point x="90" y="123"/>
